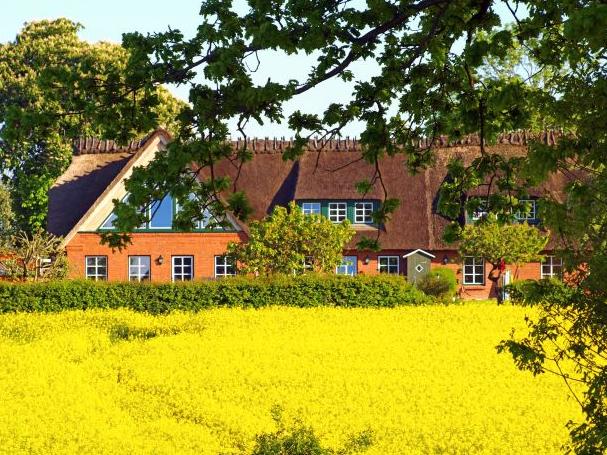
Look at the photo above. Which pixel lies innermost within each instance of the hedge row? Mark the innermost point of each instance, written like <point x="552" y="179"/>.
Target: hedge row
<point x="156" y="298"/>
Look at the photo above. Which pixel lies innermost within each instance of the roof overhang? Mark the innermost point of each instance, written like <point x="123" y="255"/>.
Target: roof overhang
<point x="420" y="251"/>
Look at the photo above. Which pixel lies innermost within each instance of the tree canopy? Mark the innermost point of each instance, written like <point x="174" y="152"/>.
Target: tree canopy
<point x="52" y="85"/>
<point x="290" y="242"/>
<point x="501" y="243"/>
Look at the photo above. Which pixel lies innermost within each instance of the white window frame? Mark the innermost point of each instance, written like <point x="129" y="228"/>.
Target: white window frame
<point x="181" y="276"/>
<point x="470" y="277"/>
<point x="223" y="263"/>
<point x="337" y="211"/>
<point x="554" y="262"/>
<point x="388" y="265"/>
<point x="203" y="223"/>
<point x="138" y="267"/>
<point x="308" y="265"/>
<point x="311" y="208"/>
<point x="342" y="269"/>
<point x="529" y="216"/>
<point x="479" y="213"/>
<point x="96" y="276"/>
<point x="363" y="212"/>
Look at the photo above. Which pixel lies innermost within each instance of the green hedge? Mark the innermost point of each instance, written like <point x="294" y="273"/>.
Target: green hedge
<point x="301" y="291"/>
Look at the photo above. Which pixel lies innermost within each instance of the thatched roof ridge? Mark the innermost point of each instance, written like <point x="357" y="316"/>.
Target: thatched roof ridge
<point x="347" y="144"/>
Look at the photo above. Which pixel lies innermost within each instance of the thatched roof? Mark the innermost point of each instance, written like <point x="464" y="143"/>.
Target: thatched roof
<point x="327" y="170"/>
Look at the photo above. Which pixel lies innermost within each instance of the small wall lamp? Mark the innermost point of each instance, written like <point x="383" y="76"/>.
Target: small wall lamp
<point x="160" y="260"/>
<point x="367" y="260"/>
<point x="445" y="260"/>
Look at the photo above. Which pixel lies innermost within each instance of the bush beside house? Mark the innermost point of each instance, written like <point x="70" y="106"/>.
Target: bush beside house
<point x="440" y="283"/>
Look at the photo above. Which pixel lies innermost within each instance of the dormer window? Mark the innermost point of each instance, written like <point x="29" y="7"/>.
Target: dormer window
<point x="311" y="208"/>
<point x="363" y="212"/>
<point x="359" y="213"/>
<point x="530" y="212"/>
<point x="162" y="214"/>
<point x="480" y="211"/>
<point x="338" y="211"/>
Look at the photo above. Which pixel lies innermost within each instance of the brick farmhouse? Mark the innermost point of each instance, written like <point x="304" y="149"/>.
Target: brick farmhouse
<point x="321" y="181"/>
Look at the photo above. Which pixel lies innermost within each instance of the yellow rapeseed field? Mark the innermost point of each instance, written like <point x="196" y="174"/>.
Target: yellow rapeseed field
<point x="422" y="379"/>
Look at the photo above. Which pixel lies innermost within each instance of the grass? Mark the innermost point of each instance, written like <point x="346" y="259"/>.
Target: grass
<point x="422" y="379"/>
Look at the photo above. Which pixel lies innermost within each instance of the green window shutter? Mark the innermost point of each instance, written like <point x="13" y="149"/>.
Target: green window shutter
<point x="350" y="210"/>
<point x="324" y="209"/>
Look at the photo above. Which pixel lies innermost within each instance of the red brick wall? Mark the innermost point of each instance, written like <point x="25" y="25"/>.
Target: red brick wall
<point x="524" y="272"/>
<point x="371" y="267"/>
<point x="203" y="246"/>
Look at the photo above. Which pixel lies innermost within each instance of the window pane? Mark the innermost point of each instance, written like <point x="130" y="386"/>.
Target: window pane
<point x="311" y="208"/>
<point x="183" y="268"/>
<point x="388" y="264"/>
<point x="530" y="210"/>
<point x="474" y="270"/>
<point x="96" y="267"/>
<point x="109" y="222"/>
<point x="363" y="212"/>
<point x="139" y="268"/>
<point x="337" y="211"/>
<point x="162" y="213"/>
<point x="348" y="266"/>
<point x="224" y="266"/>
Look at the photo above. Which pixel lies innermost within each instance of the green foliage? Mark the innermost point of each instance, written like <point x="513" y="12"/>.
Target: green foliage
<point x="497" y="242"/>
<point x="50" y="81"/>
<point x="440" y="283"/>
<point x="299" y="439"/>
<point x="289" y="242"/>
<point x="368" y="243"/>
<point x="7" y="217"/>
<point x="307" y="290"/>
<point x="512" y="243"/>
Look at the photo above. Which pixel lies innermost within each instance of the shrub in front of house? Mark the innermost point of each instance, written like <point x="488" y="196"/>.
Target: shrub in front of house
<point x="440" y="283"/>
<point x="247" y="292"/>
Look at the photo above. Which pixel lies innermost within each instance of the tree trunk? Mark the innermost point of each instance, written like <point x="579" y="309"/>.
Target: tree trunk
<point x="498" y="290"/>
<point x="494" y="275"/>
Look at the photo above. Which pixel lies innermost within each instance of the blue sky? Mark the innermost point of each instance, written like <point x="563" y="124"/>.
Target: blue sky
<point x="107" y="20"/>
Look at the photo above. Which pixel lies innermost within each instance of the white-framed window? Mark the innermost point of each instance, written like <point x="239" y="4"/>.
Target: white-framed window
<point x="348" y="266"/>
<point x="474" y="270"/>
<point x="207" y="218"/>
<point x="363" y="212"/>
<point x="530" y="213"/>
<point x="183" y="268"/>
<point x="308" y="264"/>
<point x="388" y="264"/>
<point x="224" y="266"/>
<point x="310" y="208"/>
<point x="338" y="211"/>
<point x="139" y="268"/>
<point x="109" y="222"/>
<point x="552" y="267"/>
<point x="479" y="213"/>
<point x="96" y="268"/>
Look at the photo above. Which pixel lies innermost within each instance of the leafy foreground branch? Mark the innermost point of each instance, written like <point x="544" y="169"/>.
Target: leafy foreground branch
<point x="567" y="338"/>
